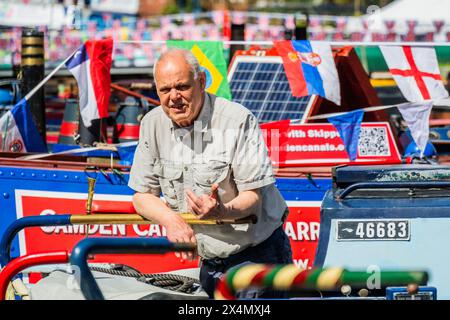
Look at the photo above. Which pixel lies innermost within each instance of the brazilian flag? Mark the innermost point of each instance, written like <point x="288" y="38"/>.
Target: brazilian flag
<point x="210" y="56"/>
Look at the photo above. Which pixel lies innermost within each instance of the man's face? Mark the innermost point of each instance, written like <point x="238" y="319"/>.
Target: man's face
<point x="180" y="94"/>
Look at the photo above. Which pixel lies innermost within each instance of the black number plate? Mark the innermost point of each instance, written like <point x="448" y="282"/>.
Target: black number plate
<point x="353" y="230"/>
<point x="417" y="296"/>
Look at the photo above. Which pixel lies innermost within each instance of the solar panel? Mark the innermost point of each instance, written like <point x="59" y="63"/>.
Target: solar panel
<point x="260" y="84"/>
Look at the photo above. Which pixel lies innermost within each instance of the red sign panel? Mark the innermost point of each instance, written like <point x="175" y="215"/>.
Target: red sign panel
<point x="54" y="238"/>
<point x="302" y="227"/>
<point x="320" y="144"/>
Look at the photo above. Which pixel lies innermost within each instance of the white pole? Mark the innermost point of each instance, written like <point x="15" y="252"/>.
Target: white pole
<point x="333" y="43"/>
<point x="112" y="147"/>
<point x="368" y="109"/>
<point x="40" y="84"/>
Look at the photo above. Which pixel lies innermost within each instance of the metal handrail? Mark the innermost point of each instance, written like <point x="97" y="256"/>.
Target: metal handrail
<point x="389" y="184"/>
<point x="25" y="222"/>
<point x="21" y="263"/>
<point x="85" y="247"/>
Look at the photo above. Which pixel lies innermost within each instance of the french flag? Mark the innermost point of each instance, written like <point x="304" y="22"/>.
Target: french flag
<point x="18" y="131"/>
<point x="310" y="69"/>
<point x="91" y="66"/>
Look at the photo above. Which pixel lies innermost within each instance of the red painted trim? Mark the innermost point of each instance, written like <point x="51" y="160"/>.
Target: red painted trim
<point x="52" y="138"/>
<point x="128" y="131"/>
<point x="112" y="207"/>
<point x="332" y="162"/>
<point x="439" y="122"/>
<point x="21" y="263"/>
<point x="68" y="129"/>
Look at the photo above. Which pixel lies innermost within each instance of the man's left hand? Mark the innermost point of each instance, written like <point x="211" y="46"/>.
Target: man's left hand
<point x="206" y="206"/>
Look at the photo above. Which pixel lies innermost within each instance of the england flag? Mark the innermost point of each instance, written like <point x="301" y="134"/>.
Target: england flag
<point x="416" y="72"/>
<point x="91" y="66"/>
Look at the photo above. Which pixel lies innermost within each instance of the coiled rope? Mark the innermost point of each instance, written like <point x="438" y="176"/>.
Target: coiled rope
<point x="167" y="281"/>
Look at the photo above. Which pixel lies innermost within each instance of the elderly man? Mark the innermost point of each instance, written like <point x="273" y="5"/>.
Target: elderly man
<point x="207" y="156"/>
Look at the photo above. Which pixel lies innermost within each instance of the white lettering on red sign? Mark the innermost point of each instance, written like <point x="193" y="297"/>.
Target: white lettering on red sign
<point x="301" y="263"/>
<point x="45" y="213"/>
<point x="302" y="231"/>
<point x="326" y="134"/>
<point x="152" y="230"/>
<point x="314" y="147"/>
<point x="296" y="134"/>
<point x="103" y="229"/>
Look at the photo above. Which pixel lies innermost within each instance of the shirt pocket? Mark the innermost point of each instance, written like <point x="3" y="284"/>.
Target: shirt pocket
<point x="205" y="175"/>
<point x="170" y="182"/>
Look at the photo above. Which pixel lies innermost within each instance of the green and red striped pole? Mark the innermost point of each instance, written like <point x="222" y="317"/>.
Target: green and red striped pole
<point x="290" y="277"/>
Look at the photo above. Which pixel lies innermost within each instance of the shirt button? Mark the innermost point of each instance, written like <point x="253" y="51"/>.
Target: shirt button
<point x="185" y="168"/>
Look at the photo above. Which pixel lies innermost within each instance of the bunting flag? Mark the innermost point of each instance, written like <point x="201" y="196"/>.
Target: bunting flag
<point x="18" y="132"/>
<point x="126" y="152"/>
<point x="210" y="57"/>
<point x="91" y="67"/>
<point x="416" y="72"/>
<point x="417" y="117"/>
<point x="310" y="69"/>
<point x="349" y="126"/>
<point x="289" y="22"/>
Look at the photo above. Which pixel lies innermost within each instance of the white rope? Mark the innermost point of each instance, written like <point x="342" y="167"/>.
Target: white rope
<point x="109" y="147"/>
<point x="333" y="43"/>
<point x="440" y="102"/>
<point x="368" y="109"/>
<point x="390" y="43"/>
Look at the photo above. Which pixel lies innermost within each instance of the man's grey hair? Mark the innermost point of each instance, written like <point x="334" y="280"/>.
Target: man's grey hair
<point x="188" y="56"/>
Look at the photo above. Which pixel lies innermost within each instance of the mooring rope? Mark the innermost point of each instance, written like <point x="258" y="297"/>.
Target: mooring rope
<point x="167" y="281"/>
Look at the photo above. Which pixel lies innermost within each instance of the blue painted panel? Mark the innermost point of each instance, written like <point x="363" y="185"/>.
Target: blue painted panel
<point x="12" y="178"/>
<point x="429" y="217"/>
<point x="427" y="250"/>
<point x="391" y="292"/>
<point x="303" y="189"/>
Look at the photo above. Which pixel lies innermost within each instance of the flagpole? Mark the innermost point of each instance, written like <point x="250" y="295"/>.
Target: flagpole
<point x="333" y="43"/>
<point x="111" y="147"/>
<point x="40" y="84"/>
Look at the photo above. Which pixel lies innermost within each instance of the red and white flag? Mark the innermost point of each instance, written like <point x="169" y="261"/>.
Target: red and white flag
<point x="416" y="72"/>
<point x="91" y="66"/>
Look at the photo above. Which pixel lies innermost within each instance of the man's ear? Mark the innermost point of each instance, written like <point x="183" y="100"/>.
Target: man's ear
<point x="202" y="78"/>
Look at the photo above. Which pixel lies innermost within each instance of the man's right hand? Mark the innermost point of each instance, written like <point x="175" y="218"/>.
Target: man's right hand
<point x="153" y="208"/>
<point x="177" y="230"/>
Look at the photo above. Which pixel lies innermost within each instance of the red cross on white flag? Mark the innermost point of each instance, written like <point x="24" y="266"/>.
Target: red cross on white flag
<point x="416" y="72"/>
